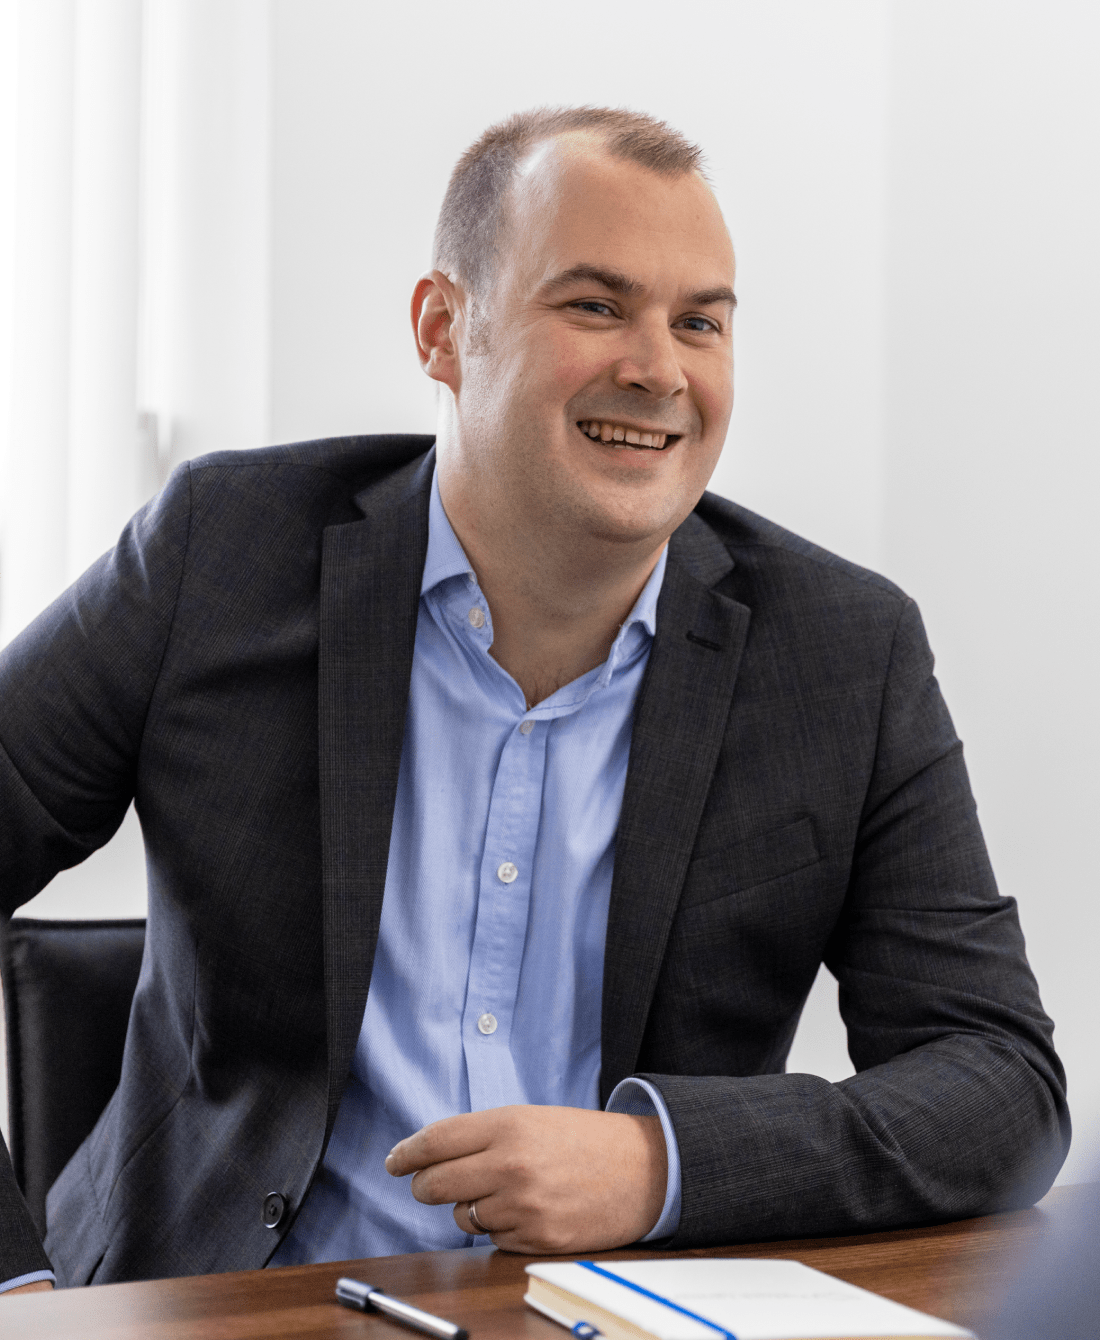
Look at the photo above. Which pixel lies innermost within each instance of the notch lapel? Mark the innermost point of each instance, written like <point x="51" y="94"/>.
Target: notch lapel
<point x="370" y="595"/>
<point x="679" y="724"/>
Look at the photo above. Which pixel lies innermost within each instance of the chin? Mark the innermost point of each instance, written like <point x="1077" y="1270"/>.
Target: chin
<point x="632" y="525"/>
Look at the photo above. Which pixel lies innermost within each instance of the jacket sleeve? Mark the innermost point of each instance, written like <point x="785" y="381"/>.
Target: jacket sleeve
<point x="958" y="1104"/>
<point x="74" y="692"/>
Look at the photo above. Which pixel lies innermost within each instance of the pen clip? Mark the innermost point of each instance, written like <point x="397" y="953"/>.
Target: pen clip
<point x="354" y="1293"/>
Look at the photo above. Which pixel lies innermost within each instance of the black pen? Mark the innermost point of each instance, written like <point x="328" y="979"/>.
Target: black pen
<point x="365" y="1297"/>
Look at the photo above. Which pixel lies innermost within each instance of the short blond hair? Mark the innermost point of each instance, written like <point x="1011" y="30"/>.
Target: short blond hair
<point x="468" y="230"/>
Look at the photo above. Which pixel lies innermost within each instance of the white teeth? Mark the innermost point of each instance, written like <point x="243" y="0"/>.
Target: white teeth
<point x="621" y="437"/>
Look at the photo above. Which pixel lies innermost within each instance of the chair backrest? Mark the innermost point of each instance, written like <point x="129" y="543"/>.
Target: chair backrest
<point x="68" y="986"/>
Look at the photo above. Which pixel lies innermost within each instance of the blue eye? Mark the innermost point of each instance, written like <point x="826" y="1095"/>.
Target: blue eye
<point x="591" y="305"/>
<point x="702" y="325"/>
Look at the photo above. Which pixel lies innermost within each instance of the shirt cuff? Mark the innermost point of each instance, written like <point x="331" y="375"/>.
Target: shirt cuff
<point x="638" y="1098"/>
<point x="32" y="1278"/>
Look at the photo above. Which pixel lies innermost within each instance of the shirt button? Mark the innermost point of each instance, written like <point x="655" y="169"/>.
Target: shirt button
<point x="526" y="727"/>
<point x="476" y="617"/>
<point x="487" y="1024"/>
<point x="506" y="872"/>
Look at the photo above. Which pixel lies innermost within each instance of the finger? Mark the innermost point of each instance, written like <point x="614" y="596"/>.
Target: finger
<point x="487" y="1213"/>
<point x="451" y="1138"/>
<point x="511" y="1240"/>
<point x="469" y="1178"/>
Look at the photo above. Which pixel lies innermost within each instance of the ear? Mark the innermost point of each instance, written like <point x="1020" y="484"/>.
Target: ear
<point x="437" y="309"/>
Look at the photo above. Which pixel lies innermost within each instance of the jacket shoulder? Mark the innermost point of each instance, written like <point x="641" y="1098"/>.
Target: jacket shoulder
<point x="305" y="484"/>
<point x="353" y="459"/>
<point x="763" y="551"/>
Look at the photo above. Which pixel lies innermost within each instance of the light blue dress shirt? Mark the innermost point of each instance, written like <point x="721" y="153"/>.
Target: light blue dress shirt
<point x="487" y="980"/>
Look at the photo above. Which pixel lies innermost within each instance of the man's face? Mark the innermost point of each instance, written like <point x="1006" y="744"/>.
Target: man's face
<point x="595" y="390"/>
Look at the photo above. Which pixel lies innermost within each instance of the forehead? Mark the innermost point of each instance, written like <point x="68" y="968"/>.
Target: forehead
<point x="574" y="204"/>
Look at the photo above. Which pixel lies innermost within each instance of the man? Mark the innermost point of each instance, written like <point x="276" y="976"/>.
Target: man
<point x="626" y="762"/>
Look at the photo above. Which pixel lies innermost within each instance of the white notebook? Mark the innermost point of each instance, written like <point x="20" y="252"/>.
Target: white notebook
<point x="719" y="1298"/>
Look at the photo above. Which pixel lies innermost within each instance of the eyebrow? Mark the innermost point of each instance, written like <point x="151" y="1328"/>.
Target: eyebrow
<point x="706" y="297"/>
<point x="613" y="280"/>
<point x="617" y="282"/>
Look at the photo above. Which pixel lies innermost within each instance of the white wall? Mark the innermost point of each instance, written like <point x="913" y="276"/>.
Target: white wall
<point x="992" y="438"/>
<point x="912" y="191"/>
<point x="790" y="107"/>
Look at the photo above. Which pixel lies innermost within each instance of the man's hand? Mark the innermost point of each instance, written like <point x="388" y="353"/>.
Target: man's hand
<point x="543" y="1179"/>
<point x="39" y="1286"/>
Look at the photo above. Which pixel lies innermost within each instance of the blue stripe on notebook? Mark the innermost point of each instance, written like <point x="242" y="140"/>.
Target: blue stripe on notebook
<point x="667" y="1302"/>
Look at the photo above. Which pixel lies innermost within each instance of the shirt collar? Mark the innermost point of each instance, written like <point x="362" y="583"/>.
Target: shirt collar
<point x="645" y="607"/>
<point x="640" y="625"/>
<point x="445" y="557"/>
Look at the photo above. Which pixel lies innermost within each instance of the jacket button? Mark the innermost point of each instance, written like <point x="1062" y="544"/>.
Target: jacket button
<point x="274" y="1209"/>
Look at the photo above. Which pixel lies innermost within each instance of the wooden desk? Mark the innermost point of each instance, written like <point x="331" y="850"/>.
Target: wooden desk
<point x="953" y="1270"/>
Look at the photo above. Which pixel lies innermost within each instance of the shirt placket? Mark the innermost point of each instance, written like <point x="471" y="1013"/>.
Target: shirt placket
<point x="504" y="899"/>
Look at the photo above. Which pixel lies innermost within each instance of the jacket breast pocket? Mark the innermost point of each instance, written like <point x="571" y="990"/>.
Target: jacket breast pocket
<point x="755" y="861"/>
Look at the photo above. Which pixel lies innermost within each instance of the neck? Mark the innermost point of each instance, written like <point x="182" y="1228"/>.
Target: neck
<point x="557" y="602"/>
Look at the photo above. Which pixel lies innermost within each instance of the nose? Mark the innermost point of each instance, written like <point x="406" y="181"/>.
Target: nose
<point x="651" y="361"/>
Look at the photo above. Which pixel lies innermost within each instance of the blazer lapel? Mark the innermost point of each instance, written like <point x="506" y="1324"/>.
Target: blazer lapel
<point x="679" y="724"/>
<point x="370" y="595"/>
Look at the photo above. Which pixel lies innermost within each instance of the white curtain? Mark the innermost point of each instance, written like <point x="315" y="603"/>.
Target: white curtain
<point x="133" y="265"/>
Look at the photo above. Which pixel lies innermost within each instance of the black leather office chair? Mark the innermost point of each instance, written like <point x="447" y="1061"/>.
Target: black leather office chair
<point x="67" y="992"/>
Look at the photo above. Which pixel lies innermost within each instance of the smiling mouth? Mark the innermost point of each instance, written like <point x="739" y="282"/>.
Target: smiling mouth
<point x="619" y="435"/>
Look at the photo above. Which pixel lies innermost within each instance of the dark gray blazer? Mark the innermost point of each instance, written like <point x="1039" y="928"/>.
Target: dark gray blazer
<point x="239" y="665"/>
